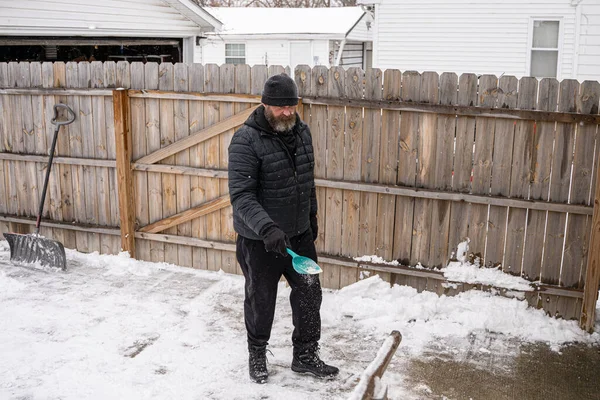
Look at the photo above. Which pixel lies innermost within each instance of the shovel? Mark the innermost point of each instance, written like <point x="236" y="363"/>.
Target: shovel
<point x="33" y="248"/>
<point x="304" y="265"/>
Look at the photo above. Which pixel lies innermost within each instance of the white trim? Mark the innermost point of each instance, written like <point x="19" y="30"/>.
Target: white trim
<point x="66" y="31"/>
<point x="187" y="49"/>
<point x="375" y="27"/>
<point x="576" y="51"/>
<point x="286" y="36"/>
<point x="355" y="25"/>
<point x="561" y="24"/>
<point x="196" y="13"/>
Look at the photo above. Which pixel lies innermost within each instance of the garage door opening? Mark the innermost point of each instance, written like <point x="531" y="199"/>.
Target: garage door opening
<point x="90" y="49"/>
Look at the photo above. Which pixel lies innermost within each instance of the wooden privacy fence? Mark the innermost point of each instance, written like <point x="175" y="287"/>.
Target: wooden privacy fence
<point x="407" y="166"/>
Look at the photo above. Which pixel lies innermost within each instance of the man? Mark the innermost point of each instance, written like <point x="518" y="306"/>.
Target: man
<point x="272" y="190"/>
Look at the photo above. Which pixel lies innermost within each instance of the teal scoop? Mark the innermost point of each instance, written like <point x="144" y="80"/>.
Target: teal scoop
<point x="304" y="265"/>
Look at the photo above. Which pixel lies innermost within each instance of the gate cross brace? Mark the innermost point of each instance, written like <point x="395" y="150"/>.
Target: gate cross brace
<point x="199" y="137"/>
<point x="187" y="215"/>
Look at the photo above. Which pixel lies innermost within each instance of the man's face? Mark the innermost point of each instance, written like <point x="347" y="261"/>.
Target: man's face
<point x="281" y="119"/>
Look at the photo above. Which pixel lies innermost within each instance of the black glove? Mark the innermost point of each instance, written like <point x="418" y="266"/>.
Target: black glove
<point x="314" y="227"/>
<point x="276" y="240"/>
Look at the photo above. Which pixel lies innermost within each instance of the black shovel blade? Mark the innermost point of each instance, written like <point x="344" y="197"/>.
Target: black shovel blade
<point x="36" y="249"/>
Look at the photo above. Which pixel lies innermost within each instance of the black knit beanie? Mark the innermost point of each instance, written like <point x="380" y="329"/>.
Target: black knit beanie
<point x="280" y="90"/>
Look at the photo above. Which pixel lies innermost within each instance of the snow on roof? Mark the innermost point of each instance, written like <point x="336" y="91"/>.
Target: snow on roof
<point x="280" y="21"/>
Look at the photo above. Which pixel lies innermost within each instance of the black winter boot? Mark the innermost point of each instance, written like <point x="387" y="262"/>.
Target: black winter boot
<point x="257" y="363"/>
<point x="308" y="360"/>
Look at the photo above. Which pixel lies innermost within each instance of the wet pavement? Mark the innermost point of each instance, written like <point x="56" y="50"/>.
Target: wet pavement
<point x="506" y="371"/>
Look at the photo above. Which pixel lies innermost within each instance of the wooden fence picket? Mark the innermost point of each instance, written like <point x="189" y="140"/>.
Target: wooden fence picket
<point x="444" y="158"/>
<point x="140" y="149"/>
<point x="318" y="127"/>
<point x="370" y="164"/>
<point x="353" y="138"/>
<point x="584" y="172"/>
<point x="5" y="146"/>
<point x="463" y="162"/>
<point x="76" y="150"/>
<point x="100" y="150"/>
<point x="482" y="164"/>
<point x="504" y="132"/>
<point x="520" y="178"/>
<point x="335" y="170"/>
<point x="212" y="151"/>
<point x="427" y="140"/>
<point x="197" y="159"/>
<point x="183" y="183"/>
<point x="110" y="81"/>
<point x="155" y="197"/>
<point x="407" y="168"/>
<point x="540" y="181"/>
<point x="166" y="81"/>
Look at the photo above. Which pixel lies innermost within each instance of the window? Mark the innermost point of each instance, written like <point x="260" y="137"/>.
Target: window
<point x="544" y="49"/>
<point x="235" y="53"/>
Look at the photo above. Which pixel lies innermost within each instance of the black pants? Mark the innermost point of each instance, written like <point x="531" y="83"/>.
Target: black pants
<point x="262" y="271"/>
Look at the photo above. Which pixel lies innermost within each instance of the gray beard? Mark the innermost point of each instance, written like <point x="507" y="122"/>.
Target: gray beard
<point x="280" y="125"/>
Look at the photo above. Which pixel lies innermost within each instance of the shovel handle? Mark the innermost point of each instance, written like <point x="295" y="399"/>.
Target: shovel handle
<point x="71" y="115"/>
<point x="54" y="121"/>
<point x="291" y="253"/>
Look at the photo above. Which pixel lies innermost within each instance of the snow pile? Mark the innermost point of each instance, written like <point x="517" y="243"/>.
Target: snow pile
<point x="423" y="318"/>
<point x="376" y="260"/>
<point x="463" y="271"/>
<point x="469" y="273"/>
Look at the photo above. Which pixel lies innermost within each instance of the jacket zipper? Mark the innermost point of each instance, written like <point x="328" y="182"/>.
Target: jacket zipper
<point x="293" y="160"/>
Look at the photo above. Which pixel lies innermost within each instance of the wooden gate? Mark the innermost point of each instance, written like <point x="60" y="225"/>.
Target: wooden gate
<point x="182" y="119"/>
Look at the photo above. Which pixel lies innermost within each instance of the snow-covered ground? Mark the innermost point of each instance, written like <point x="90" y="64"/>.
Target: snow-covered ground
<point x="115" y="328"/>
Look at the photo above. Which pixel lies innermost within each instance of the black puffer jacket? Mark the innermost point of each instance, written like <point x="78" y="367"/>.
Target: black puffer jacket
<point x="268" y="184"/>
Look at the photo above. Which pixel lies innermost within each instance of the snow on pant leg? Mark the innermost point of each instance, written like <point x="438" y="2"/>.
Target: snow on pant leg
<point x="306" y="296"/>
<point x="262" y="271"/>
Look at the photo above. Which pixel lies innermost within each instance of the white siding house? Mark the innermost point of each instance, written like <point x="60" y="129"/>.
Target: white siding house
<point x="559" y="38"/>
<point x="286" y="36"/>
<point x="88" y="21"/>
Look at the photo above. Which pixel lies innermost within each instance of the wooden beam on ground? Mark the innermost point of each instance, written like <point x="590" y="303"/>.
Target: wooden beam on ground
<point x="365" y="390"/>
<point x="124" y="174"/>
<point x="187" y="215"/>
<point x="468" y="111"/>
<point x="198" y="137"/>
<point x="592" y="277"/>
<point x="225" y="97"/>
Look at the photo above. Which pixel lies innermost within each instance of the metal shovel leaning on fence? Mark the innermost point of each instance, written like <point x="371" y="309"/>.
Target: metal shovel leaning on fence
<point x="33" y="248"/>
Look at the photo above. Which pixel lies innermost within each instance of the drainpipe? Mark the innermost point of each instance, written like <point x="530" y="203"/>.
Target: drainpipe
<point x="577" y="5"/>
<point x="340" y="51"/>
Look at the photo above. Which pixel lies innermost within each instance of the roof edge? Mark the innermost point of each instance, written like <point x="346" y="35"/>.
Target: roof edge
<point x="195" y="13"/>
